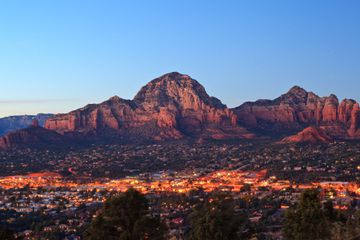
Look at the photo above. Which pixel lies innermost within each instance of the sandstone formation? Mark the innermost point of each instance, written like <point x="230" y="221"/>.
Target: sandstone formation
<point x="172" y="106"/>
<point x="298" y="109"/>
<point x="33" y="136"/>
<point x="308" y="135"/>
<point x="175" y="106"/>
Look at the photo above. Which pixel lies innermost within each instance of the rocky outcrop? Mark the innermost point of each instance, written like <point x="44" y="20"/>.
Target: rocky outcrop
<point x="354" y="129"/>
<point x="298" y="109"/>
<point x="308" y="135"/>
<point x="349" y="115"/>
<point x="169" y="107"/>
<point x="13" y="123"/>
<point x="33" y="136"/>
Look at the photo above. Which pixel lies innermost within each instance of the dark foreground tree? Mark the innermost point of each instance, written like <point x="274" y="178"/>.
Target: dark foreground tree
<point x="307" y="220"/>
<point x="6" y="234"/>
<point x="126" y="217"/>
<point x="215" y="220"/>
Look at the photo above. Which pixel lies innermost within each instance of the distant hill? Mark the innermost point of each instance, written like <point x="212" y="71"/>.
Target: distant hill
<point x="308" y="135"/>
<point x="13" y="123"/>
<point x="32" y="136"/>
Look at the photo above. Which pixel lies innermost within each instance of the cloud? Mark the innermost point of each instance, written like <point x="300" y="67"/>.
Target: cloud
<point x="34" y="101"/>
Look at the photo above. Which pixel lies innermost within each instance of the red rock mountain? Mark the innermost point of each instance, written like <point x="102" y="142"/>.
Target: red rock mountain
<point x="298" y="109"/>
<point x="175" y="106"/>
<point x="308" y="135"/>
<point x="31" y="136"/>
<point x="169" y="107"/>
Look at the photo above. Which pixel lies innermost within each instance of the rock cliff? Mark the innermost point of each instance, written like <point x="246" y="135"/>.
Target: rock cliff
<point x="33" y="136"/>
<point x="298" y="109"/>
<point x="172" y="106"/>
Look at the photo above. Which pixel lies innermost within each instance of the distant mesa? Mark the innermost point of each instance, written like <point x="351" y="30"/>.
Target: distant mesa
<point x="309" y="135"/>
<point x="13" y="123"/>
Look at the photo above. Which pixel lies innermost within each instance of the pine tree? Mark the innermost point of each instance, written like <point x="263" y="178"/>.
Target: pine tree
<point x="126" y="217"/>
<point x="215" y="220"/>
<point x="307" y="220"/>
<point x="6" y="234"/>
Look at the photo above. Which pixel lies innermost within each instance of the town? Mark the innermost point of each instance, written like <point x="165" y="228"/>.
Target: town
<point x="338" y="161"/>
<point x="55" y="194"/>
<point x="65" y="206"/>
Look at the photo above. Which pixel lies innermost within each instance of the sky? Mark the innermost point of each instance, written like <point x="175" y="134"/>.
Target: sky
<point x="57" y="56"/>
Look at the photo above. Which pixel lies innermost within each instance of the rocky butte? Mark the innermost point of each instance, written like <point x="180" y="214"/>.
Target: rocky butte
<point x="34" y="135"/>
<point x="172" y="106"/>
<point x="298" y="109"/>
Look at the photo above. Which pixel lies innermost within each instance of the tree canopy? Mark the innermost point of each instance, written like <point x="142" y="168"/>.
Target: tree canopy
<point x="307" y="220"/>
<point x="7" y="234"/>
<point x="215" y="220"/>
<point x="126" y="217"/>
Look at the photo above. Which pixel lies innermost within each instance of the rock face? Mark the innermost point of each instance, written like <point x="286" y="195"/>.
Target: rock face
<point x="13" y="123"/>
<point x="298" y="109"/>
<point x="170" y="107"/>
<point x="33" y="136"/>
<point x="308" y="135"/>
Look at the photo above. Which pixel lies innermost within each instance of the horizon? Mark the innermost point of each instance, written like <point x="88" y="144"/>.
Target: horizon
<point x="230" y="107"/>
<point x="60" y="56"/>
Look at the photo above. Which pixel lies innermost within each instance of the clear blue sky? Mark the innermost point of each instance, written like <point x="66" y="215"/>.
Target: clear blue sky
<point x="56" y="56"/>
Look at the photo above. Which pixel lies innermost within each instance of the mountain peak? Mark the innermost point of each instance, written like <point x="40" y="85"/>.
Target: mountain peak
<point x="173" y="87"/>
<point x="333" y="96"/>
<point x="296" y="90"/>
<point x="295" y="95"/>
<point x="169" y="107"/>
<point x="174" y="75"/>
<point x="171" y="77"/>
<point x="348" y="100"/>
<point x="114" y="99"/>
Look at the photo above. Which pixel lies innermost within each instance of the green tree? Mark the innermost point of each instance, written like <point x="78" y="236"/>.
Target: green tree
<point x="149" y="228"/>
<point x="307" y="220"/>
<point x="215" y="220"/>
<point x="126" y="217"/>
<point x="101" y="229"/>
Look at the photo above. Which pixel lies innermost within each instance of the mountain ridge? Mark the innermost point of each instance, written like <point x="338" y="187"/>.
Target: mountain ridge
<point x="171" y="106"/>
<point x="175" y="106"/>
<point x="298" y="109"/>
